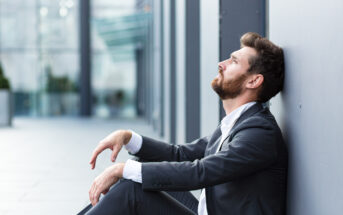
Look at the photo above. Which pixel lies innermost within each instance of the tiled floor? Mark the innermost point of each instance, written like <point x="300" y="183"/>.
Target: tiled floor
<point x="44" y="162"/>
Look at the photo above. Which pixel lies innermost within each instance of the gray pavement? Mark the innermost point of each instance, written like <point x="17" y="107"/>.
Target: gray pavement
<point x="44" y="162"/>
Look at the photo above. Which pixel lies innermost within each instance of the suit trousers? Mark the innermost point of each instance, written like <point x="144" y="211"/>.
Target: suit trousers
<point x="127" y="197"/>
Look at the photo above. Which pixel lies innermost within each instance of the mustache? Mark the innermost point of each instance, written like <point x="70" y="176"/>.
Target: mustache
<point x="220" y="71"/>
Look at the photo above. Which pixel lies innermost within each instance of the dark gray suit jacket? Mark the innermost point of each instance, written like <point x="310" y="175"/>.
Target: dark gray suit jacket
<point x="247" y="176"/>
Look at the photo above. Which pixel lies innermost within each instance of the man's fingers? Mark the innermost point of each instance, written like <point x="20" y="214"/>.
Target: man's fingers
<point x="95" y="154"/>
<point x="96" y="194"/>
<point x="93" y="165"/>
<point x="91" y="193"/>
<point x="115" y="152"/>
<point x="96" y="197"/>
<point x="105" y="191"/>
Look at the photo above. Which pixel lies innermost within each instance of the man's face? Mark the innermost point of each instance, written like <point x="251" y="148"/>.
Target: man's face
<point x="232" y="74"/>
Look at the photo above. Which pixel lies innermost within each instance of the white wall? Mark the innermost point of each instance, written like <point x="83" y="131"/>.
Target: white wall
<point x="310" y="108"/>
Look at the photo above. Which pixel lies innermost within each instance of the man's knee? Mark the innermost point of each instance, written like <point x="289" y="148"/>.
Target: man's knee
<point x="123" y="188"/>
<point x="120" y="199"/>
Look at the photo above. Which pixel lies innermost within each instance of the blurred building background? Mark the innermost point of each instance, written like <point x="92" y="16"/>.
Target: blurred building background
<point x="155" y="59"/>
<point x="42" y="48"/>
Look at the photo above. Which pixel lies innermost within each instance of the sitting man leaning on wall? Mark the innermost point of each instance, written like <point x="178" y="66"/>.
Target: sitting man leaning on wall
<point x="241" y="167"/>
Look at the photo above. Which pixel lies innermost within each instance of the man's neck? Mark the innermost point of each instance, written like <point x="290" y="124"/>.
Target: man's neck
<point x="230" y="105"/>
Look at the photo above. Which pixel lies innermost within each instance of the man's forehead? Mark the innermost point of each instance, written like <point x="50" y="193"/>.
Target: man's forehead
<point x="244" y="53"/>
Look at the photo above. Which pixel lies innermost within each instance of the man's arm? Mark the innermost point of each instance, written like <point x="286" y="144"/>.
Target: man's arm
<point x="251" y="149"/>
<point x="147" y="148"/>
<point x="154" y="150"/>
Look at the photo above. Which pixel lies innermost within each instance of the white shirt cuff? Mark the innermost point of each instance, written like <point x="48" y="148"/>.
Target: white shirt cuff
<point x="133" y="171"/>
<point x="135" y="143"/>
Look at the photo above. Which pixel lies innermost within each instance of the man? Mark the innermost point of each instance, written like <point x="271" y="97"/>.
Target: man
<point x="241" y="168"/>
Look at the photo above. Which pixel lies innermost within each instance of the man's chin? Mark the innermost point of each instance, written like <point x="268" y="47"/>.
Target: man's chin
<point x="216" y="80"/>
<point x="214" y="83"/>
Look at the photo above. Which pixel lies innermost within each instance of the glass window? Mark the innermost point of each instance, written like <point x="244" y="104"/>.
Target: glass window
<point x="40" y="55"/>
<point x="115" y="32"/>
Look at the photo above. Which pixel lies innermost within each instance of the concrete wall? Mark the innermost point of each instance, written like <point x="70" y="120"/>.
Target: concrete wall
<point x="310" y="109"/>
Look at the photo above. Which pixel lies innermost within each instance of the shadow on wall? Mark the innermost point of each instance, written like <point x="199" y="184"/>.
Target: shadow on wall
<point x="288" y="114"/>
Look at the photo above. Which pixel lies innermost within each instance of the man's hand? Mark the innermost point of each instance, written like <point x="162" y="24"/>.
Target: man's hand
<point x="104" y="181"/>
<point x="114" y="141"/>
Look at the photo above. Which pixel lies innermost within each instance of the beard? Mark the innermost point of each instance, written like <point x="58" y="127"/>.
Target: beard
<point x="229" y="89"/>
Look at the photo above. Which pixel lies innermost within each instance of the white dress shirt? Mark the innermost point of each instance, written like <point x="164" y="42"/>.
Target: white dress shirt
<point x="133" y="169"/>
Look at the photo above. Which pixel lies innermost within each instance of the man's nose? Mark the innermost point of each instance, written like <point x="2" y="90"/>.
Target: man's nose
<point x="221" y="65"/>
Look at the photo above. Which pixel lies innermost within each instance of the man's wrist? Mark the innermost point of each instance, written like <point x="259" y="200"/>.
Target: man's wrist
<point x="127" y="136"/>
<point x="134" y="144"/>
<point x="120" y="169"/>
<point x="116" y="170"/>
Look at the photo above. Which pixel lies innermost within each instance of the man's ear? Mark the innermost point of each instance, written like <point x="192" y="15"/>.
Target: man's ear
<point x="255" y="81"/>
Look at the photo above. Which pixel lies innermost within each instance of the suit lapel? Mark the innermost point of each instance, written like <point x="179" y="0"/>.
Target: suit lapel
<point x="214" y="141"/>
<point x="251" y="111"/>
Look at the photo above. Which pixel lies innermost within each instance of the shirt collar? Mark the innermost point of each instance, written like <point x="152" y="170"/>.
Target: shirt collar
<point x="229" y="120"/>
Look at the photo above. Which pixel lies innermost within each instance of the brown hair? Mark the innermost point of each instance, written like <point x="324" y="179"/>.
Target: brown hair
<point x="269" y="62"/>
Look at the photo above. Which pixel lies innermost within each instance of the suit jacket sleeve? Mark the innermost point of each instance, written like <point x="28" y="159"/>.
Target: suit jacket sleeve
<point x="153" y="150"/>
<point x="253" y="147"/>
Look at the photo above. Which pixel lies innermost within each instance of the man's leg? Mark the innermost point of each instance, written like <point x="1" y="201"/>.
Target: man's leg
<point x="128" y="197"/>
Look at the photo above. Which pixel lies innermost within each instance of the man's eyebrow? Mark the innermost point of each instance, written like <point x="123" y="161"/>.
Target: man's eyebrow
<point x="234" y="56"/>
